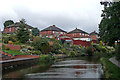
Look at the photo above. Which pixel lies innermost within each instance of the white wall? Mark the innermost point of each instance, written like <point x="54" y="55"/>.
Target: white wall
<point x="83" y="39"/>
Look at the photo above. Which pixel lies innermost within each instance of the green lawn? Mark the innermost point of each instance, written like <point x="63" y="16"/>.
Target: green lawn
<point x="15" y="52"/>
<point x="111" y="70"/>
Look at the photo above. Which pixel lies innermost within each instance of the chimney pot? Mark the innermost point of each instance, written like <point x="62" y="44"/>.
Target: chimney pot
<point x="53" y="25"/>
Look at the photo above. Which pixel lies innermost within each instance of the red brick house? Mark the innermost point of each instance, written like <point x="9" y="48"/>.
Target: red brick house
<point x="12" y="29"/>
<point x="94" y="37"/>
<point x="78" y="34"/>
<point x="52" y="32"/>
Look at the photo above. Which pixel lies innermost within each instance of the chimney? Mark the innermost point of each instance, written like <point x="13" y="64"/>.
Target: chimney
<point x="53" y="25"/>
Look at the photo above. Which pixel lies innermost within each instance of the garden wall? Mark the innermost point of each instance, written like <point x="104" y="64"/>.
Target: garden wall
<point x="80" y="42"/>
<point x="13" y="47"/>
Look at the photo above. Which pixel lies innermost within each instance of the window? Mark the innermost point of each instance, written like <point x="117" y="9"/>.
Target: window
<point x="61" y="32"/>
<point x="29" y="30"/>
<point x="80" y="33"/>
<point x="73" y="34"/>
<point x="50" y="36"/>
<point x="83" y="34"/>
<point x="53" y="31"/>
<point x="57" y="32"/>
<point x="9" y="29"/>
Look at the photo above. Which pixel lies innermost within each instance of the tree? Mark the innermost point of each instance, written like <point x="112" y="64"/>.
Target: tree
<point x="35" y="32"/>
<point x="23" y="35"/>
<point x="41" y="45"/>
<point x="110" y="24"/>
<point x="8" y="22"/>
<point x="56" y="47"/>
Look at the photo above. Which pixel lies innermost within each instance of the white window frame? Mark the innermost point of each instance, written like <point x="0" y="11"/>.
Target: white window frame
<point x="61" y="32"/>
<point x="10" y="29"/>
<point x="79" y="33"/>
<point x="82" y="34"/>
<point x="73" y="34"/>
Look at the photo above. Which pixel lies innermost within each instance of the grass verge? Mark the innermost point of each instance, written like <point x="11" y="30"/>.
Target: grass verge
<point x="15" y="52"/>
<point x="110" y="69"/>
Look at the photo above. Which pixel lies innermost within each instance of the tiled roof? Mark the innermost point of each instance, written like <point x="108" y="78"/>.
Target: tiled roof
<point x="94" y="33"/>
<point x="17" y="24"/>
<point x="53" y="28"/>
<point x="77" y="31"/>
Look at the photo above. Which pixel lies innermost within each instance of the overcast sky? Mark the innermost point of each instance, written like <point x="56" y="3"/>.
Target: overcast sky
<point x="65" y="14"/>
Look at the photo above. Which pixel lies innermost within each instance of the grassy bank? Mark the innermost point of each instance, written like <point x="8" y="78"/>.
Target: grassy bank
<point x="46" y="58"/>
<point x="110" y="69"/>
<point x="15" y="52"/>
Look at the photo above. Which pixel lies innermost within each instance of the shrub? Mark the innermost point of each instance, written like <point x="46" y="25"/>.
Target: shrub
<point x="36" y="52"/>
<point x="7" y="48"/>
<point x="64" y="51"/>
<point x="89" y="51"/>
<point x="45" y="58"/>
<point x="56" y="47"/>
<point x="41" y="45"/>
<point x="5" y="39"/>
<point x="3" y="47"/>
<point x="17" y="42"/>
<point x="118" y="52"/>
<point x="72" y="54"/>
<point x="10" y="42"/>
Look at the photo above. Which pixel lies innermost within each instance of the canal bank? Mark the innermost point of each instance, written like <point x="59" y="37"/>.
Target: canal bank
<point x="110" y="69"/>
<point x="80" y="67"/>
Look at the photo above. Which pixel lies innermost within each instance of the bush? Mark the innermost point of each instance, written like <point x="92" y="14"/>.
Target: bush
<point x="45" y="58"/>
<point x="5" y="39"/>
<point x="89" y="51"/>
<point x="17" y="42"/>
<point x="56" y="47"/>
<point x="3" y="47"/>
<point x="64" y="51"/>
<point x="72" y="54"/>
<point x="118" y="52"/>
<point x="36" y="52"/>
<point x="41" y="45"/>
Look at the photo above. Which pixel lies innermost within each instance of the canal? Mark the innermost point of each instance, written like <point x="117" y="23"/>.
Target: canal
<point x="80" y="67"/>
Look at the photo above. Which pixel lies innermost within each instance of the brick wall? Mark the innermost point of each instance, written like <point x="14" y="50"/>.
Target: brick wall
<point x="13" y="47"/>
<point x="49" y="33"/>
<point x="72" y="35"/>
<point x="9" y="30"/>
<point x="80" y="42"/>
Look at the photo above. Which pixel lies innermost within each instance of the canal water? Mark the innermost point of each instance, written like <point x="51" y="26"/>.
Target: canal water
<point x="81" y="67"/>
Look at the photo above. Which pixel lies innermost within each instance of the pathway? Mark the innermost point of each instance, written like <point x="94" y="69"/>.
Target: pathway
<point x="114" y="61"/>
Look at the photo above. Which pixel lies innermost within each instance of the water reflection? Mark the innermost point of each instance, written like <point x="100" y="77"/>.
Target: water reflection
<point x="71" y="69"/>
<point x="68" y="68"/>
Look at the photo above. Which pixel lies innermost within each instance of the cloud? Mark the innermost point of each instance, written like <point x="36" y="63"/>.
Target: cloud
<point x="66" y="14"/>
